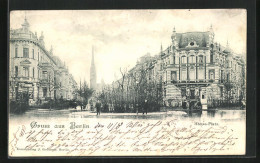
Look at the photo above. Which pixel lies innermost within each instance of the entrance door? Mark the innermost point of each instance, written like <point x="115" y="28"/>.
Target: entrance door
<point x="203" y="98"/>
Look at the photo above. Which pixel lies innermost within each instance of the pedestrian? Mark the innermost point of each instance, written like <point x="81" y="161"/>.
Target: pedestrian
<point x="184" y="104"/>
<point x="145" y="107"/>
<point x="98" y="107"/>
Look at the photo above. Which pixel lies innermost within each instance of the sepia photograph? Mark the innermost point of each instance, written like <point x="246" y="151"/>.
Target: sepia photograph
<point x="151" y="82"/>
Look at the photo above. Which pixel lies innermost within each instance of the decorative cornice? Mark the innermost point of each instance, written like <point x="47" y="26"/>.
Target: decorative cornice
<point x="37" y="44"/>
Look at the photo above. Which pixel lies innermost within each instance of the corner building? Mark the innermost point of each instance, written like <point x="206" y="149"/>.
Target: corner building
<point x="196" y="67"/>
<point x="34" y="72"/>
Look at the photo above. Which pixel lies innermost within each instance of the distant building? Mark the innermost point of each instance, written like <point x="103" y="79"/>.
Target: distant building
<point x="34" y="71"/>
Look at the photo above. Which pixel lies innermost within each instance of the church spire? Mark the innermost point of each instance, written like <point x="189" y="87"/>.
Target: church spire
<point x="93" y="75"/>
<point x="161" y="50"/>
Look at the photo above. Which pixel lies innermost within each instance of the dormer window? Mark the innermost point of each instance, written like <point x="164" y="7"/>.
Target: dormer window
<point x="192" y="44"/>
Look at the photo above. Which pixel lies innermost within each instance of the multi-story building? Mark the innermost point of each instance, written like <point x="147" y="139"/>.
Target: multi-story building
<point x="34" y="72"/>
<point x="195" y="67"/>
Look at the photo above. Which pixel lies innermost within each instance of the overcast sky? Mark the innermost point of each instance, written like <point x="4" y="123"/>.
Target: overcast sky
<point x="120" y="37"/>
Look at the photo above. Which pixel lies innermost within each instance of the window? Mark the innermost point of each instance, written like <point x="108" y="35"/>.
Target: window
<point x="26" y="71"/>
<point x="192" y="75"/>
<point x="44" y="90"/>
<point x="221" y="75"/>
<point x="174" y="60"/>
<point x="33" y="53"/>
<point x="200" y="59"/>
<point x="16" y="71"/>
<point x="33" y="72"/>
<point x="25" y="52"/>
<point x="173" y="75"/>
<point x="45" y="75"/>
<point x="184" y="75"/>
<point x="211" y="57"/>
<point x="38" y="56"/>
<point x="212" y="74"/>
<point x="192" y="59"/>
<point x="16" y="52"/>
<point x="183" y="59"/>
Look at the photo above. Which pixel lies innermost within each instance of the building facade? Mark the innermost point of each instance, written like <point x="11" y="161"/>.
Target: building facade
<point x="195" y="67"/>
<point x="34" y="72"/>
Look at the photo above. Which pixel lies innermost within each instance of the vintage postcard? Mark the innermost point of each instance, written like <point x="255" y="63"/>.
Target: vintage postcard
<point x="127" y="82"/>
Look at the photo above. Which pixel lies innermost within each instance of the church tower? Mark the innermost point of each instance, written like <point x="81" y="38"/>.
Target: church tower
<point x="93" y="75"/>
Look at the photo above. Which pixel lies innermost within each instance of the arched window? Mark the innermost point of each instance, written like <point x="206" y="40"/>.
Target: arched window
<point x="200" y="60"/>
<point x="192" y="59"/>
<point x="212" y="74"/>
<point x="173" y="75"/>
<point x="183" y="59"/>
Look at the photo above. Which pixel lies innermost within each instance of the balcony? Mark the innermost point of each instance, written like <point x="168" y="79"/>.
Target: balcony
<point x="25" y="78"/>
<point x="195" y="81"/>
<point x="174" y="81"/>
<point x="44" y="64"/>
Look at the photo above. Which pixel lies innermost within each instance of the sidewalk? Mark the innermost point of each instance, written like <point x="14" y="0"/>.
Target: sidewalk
<point x="134" y="114"/>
